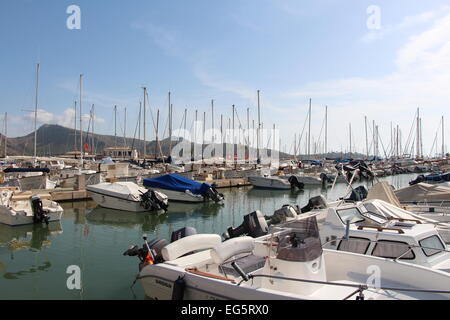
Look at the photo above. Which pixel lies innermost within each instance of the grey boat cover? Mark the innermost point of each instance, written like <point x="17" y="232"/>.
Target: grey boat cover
<point x="423" y="192"/>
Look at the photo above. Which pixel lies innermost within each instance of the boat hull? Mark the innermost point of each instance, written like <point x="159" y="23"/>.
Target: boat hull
<point x="180" y="196"/>
<point x="111" y="202"/>
<point x="19" y="218"/>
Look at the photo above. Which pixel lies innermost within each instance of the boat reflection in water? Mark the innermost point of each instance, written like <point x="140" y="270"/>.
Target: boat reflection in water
<point x="32" y="236"/>
<point x="149" y="221"/>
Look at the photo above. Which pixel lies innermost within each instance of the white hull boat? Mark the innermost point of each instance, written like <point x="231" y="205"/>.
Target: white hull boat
<point x="32" y="210"/>
<point x="269" y="182"/>
<point x="288" y="263"/>
<point x="182" y="189"/>
<point x="127" y="196"/>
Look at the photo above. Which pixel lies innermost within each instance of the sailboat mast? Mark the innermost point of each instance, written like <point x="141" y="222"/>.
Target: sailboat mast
<point x="248" y="134"/>
<point x="326" y="130"/>
<point x="157" y="138"/>
<point x="367" y="141"/>
<point x="75" y="127"/>
<point x="6" y="133"/>
<point x="125" y="128"/>
<point x="170" y="125"/>
<point x="259" y="129"/>
<point x="115" y="126"/>
<point x="443" y="148"/>
<point x="309" y="128"/>
<point x="212" y="121"/>
<point x="145" y="136"/>
<point x="81" y="119"/>
<point x="36" y="108"/>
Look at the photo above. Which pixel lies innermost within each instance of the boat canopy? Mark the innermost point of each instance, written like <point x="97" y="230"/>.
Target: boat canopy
<point x="123" y="190"/>
<point x="423" y="192"/>
<point x="176" y="182"/>
<point x="12" y="170"/>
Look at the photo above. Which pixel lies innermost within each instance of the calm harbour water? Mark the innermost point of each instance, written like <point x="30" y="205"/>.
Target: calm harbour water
<point x="34" y="260"/>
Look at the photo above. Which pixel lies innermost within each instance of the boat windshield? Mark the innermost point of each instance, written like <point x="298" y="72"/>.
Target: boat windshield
<point x="350" y="214"/>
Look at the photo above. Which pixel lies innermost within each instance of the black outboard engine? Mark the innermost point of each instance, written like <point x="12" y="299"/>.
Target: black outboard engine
<point x="39" y="214"/>
<point x="154" y="200"/>
<point x="155" y="245"/>
<point x="419" y="179"/>
<point x="293" y="180"/>
<point x="325" y="178"/>
<point x="182" y="233"/>
<point x="254" y="225"/>
<point x="282" y="214"/>
<point x="213" y="194"/>
<point x="318" y="202"/>
<point x="358" y="194"/>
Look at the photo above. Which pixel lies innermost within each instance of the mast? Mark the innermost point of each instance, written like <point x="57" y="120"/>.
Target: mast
<point x="350" y="136"/>
<point x="75" y="128"/>
<point x="258" y="133"/>
<point x="157" y="138"/>
<point x="326" y="130"/>
<point x="418" y="135"/>
<point x="309" y="128"/>
<point x="212" y="121"/>
<point x="125" y="127"/>
<point x="234" y="140"/>
<point x="6" y="133"/>
<point x="36" y="108"/>
<point x="170" y="125"/>
<point x="367" y="141"/>
<point x="81" y="118"/>
<point x="203" y="134"/>
<point x="248" y="134"/>
<point x="145" y="135"/>
<point x="139" y="121"/>
<point x="93" y="121"/>
<point x="443" y="148"/>
<point x="115" y="126"/>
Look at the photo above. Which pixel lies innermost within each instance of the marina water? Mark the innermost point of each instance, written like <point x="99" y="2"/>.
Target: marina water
<point x="33" y="264"/>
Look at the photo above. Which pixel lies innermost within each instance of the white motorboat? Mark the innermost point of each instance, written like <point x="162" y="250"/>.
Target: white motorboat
<point x="127" y="196"/>
<point x="179" y="188"/>
<point x="289" y="263"/>
<point x="307" y="180"/>
<point x="275" y="182"/>
<point x="33" y="209"/>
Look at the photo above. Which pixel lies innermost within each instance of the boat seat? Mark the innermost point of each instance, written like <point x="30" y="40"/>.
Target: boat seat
<point x="188" y="244"/>
<point x="230" y="248"/>
<point x="195" y="260"/>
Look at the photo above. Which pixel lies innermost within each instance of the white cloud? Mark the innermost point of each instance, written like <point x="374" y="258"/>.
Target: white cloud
<point x="407" y="22"/>
<point x="420" y="80"/>
<point x="66" y="119"/>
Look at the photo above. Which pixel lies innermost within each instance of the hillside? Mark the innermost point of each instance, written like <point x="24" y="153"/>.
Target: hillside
<point x="54" y="140"/>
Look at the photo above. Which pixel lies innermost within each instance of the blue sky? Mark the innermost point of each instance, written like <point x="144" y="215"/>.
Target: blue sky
<point x="200" y="50"/>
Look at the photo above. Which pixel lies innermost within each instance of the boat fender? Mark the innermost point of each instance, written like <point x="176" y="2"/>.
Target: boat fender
<point x="178" y="288"/>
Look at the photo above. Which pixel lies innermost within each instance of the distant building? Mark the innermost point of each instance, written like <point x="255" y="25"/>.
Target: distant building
<point x="121" y="153"/>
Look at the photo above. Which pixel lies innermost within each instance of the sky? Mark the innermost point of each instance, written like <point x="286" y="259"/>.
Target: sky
<point x="329" y="51"/>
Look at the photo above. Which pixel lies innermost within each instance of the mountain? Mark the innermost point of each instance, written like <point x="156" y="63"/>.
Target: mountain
<point x="54" y="140"/>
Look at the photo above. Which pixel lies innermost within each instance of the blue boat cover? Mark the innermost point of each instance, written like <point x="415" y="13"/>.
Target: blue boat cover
<point x="438" y="177"/>
<point x="176" y="182"/>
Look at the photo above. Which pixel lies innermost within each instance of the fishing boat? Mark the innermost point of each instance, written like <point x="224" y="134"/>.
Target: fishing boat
<point x="127" y="196"/>
<point x="179" y="188"/>
<point x="288" y="263"/>
<point x="29" y="209"/>
<point x="432" y="179"/>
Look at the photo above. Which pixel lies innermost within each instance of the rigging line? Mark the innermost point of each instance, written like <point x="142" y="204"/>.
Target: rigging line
<point x="435" y="138"/>
<point x="301" y="136"/>
<point x="410" y="134"/>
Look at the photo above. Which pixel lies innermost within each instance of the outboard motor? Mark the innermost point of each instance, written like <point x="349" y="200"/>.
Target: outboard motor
<point x="293" y="180"/>
<point x="39" y="214"/>
<point x="254" y="225"/>
<point x="155" y="245"/>
<point x="154" y="200"/>
<point x="182" y="233"/>
<point x="318" y="202"/>
<point x="213" y="194"/>
<point x="282" y="214"/>
<point x="325" y="178"/>
<point x="358" y="194"/>
<point x="419" y="179"/>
